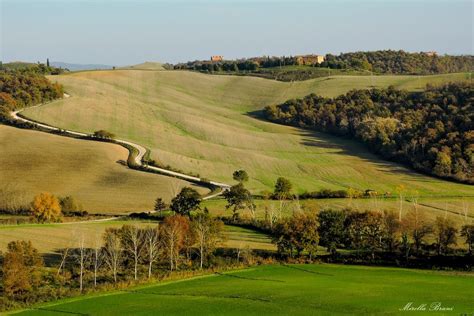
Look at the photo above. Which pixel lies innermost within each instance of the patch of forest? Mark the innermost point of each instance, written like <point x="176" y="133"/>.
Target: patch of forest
<point x="431" y="131"/>
<point x="23" y="88"/>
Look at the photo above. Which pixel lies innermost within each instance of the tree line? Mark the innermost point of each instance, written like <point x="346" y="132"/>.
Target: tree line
<point x="431" y="131"/>
<point x="382" y="62"/>
<point x="130" y="252"/>
<point x="400" y="62"/>
<point x="370" y="232"/>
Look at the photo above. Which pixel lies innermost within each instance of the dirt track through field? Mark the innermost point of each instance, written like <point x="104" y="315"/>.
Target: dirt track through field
<point x="138" y="159"/>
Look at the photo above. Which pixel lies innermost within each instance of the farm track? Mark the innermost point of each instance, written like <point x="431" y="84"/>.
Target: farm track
<point x="137" y="159"/>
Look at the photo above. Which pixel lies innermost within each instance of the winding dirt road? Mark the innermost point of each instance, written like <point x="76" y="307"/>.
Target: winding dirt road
<point x="138" y="159"/>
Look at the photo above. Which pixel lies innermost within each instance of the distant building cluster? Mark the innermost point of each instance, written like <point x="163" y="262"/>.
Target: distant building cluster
<point x="300" y="59"/>
<point x="309" y="59"/>
<point x="217" y="58"/>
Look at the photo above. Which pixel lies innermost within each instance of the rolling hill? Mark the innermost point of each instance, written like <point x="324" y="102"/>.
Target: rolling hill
<point x="33" y="162"/>
<point x="208" y="124"/>
<point x="148" y="65"/>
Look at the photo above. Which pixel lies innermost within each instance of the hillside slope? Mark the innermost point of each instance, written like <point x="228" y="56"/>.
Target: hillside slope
<point x="33" y="162"/>
<point x="204" y="124"/>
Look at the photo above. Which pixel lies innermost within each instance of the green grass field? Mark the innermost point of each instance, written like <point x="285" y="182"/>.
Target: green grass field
<point x="33" y="162"/>
<point x="285" y="290"/>
<point x="200" y="123"/>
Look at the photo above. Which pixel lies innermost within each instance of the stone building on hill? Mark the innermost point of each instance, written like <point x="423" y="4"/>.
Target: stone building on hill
<point x="217" y="58"/>
<point x="309" y="59"/>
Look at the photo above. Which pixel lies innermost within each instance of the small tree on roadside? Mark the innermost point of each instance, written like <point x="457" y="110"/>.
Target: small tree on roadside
<point x="188" y="200"/>
<point x="69" y="205"/>
<point x="240" y="176"/>
<point x="282" y="189"/>
<point x="237" y="198"/>
<point x="46" y="208"/>
<point x="102" y="134"/>
<point x="160" y="205"/>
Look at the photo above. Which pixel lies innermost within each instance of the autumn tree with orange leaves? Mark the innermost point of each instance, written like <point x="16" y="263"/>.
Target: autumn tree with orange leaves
<point x="46" y="208"/>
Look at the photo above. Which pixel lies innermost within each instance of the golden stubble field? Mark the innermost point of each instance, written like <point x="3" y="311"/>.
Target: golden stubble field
<point x="32" y="162"/>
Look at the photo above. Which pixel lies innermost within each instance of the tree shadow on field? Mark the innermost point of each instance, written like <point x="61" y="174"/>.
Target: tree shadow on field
<point x="257" y="114"/>
<point x="348" y="147"/>
<point x="338" y="145"/>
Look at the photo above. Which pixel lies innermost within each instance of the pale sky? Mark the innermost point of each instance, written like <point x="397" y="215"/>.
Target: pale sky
<point x="118" y="32"/>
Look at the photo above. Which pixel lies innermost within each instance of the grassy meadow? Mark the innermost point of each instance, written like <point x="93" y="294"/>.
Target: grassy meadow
<point x="453" y="208"/>
<point x="49" y="238"/>
<point x="240" y="238"/>
<point x="206" y="124"/>
<point x="33" y="162"/>
<point x="285" y="290"/>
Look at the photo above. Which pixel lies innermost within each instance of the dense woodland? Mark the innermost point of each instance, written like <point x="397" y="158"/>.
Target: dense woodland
<point x="400" y="62"/>
<point x="379" y="62"/>
<point x="23" y="88"/>
<point x="432" y="131"/>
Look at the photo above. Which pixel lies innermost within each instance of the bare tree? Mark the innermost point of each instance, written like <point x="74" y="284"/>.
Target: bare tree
<point x="251" y="206"/>
<point x="296" y="204"/>
<point x="152" y="246"/>
<point x="64" y="254"/>
<point x="81" y="256"/>
<point x="132" y="243"/>
<point x="97" y="256"/>
<point x="208" y="232"/>
<point x="113" y="251"/>
<point x="465" y="211"/>
<point x="270" y="215"/>
<point x="401" y="193"/>
<point x="239" y="250"/>
<point x="373" y="197"/>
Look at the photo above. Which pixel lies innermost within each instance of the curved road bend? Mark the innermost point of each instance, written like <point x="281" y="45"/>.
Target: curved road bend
<point x="138" y="159"/>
